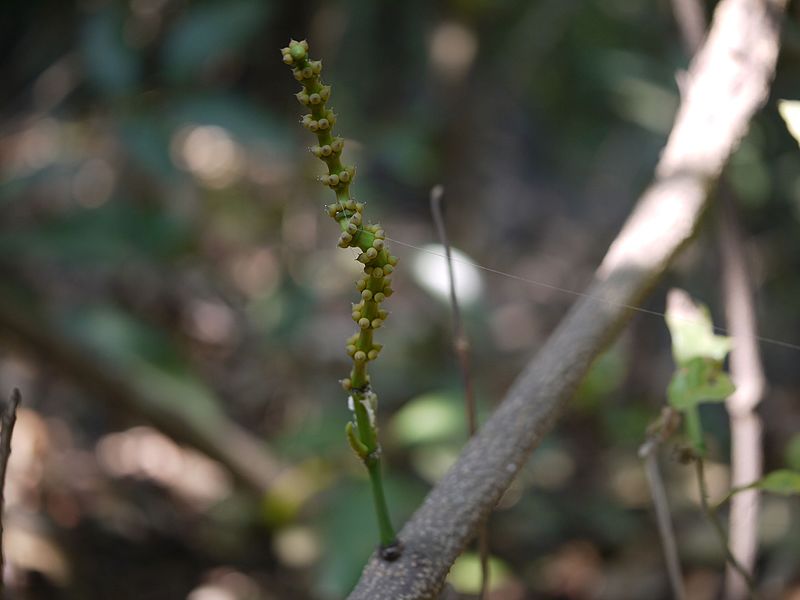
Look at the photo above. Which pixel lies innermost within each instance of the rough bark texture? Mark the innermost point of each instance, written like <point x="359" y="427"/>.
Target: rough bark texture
<point x="727" y="82"/>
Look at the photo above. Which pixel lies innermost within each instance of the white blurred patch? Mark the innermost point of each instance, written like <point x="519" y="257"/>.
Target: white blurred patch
<point x="225" y="583"/>
<point x="211" y="592"/>
<point x="452" y="49"/>
<point x="145" y="453"/>
<point x="212" y="322"/>
<point x="297" y="546"/>
<point x="430" y="271"/>
<point x="210" y="153"/>
<point x="30" y="550"/>
<point x="790" y="111"/>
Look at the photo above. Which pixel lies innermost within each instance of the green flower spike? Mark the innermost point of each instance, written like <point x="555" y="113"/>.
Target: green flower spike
<point x="375" y="285"/>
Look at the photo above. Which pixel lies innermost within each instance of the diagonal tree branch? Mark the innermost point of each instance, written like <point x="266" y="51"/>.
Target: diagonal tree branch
<point x="220" y="438"/>
<point x="727" y="83"/>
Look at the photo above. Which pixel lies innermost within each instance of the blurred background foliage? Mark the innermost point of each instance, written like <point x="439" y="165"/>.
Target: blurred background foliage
<point x="160" y="225"/>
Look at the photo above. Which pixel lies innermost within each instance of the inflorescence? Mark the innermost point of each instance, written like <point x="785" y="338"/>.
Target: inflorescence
<point x="374" y="286"/>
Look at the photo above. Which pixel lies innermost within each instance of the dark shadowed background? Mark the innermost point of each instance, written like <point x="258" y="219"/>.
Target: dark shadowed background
<point x="171" y="294"/>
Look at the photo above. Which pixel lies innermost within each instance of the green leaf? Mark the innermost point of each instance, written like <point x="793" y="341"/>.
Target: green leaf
<point x="465" y="574"/>
<point x="430" y="418"/>
<point x="782" y="481"/>
<point x="699" y="380"/>
<point x="692" y="330"/>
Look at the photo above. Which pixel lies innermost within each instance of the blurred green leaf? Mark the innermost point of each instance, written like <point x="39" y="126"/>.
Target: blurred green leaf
<point x="792" y="452"/>
<point x="145" y="357"/>
<point x="208" y="31"/>
<point x="107" y="234"/>
<point x="112" y="65"/>
<point x="465" y="574"/>
<point x="693" y="334"/>
<point x="434" y="417"/>
<point x="699" y="380"/>
<point x="783" y="482"/>
<point x="604" y="377"/>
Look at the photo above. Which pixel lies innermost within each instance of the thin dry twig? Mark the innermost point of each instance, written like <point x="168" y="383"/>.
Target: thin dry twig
<point x="8" y="419"/>
<point x="648" y="452"/>
<point x="461" y="347"/>
<point x="728" y="82"/>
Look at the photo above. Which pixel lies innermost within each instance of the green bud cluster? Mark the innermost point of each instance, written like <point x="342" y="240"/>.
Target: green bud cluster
<point x="376" y="283"/>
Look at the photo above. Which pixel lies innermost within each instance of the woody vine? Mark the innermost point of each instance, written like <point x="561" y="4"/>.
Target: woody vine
<point x="374" y="286"/>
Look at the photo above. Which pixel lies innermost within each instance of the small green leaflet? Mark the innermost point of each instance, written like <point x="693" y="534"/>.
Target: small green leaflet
<point x="692" y="330"/>
<point x="698" y="354"/>
<point x="700" y="380"/>
<point x="783" y="481"/>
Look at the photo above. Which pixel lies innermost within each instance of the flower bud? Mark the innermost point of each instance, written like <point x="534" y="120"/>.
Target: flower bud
<point x="297" y="50"/>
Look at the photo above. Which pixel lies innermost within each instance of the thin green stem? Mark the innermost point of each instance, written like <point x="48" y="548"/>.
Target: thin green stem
<point x="720" y="529"/>
<point x="388" y="537"/>
<point x="694" y="429"/>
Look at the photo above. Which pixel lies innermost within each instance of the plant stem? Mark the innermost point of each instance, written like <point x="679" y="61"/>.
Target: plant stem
<point x="374" y="286"/>
<point x="387" y="534"/>
<point x="661" y="504"/>
<point x="694" y="430"/>
<point x="720" y="529"/>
